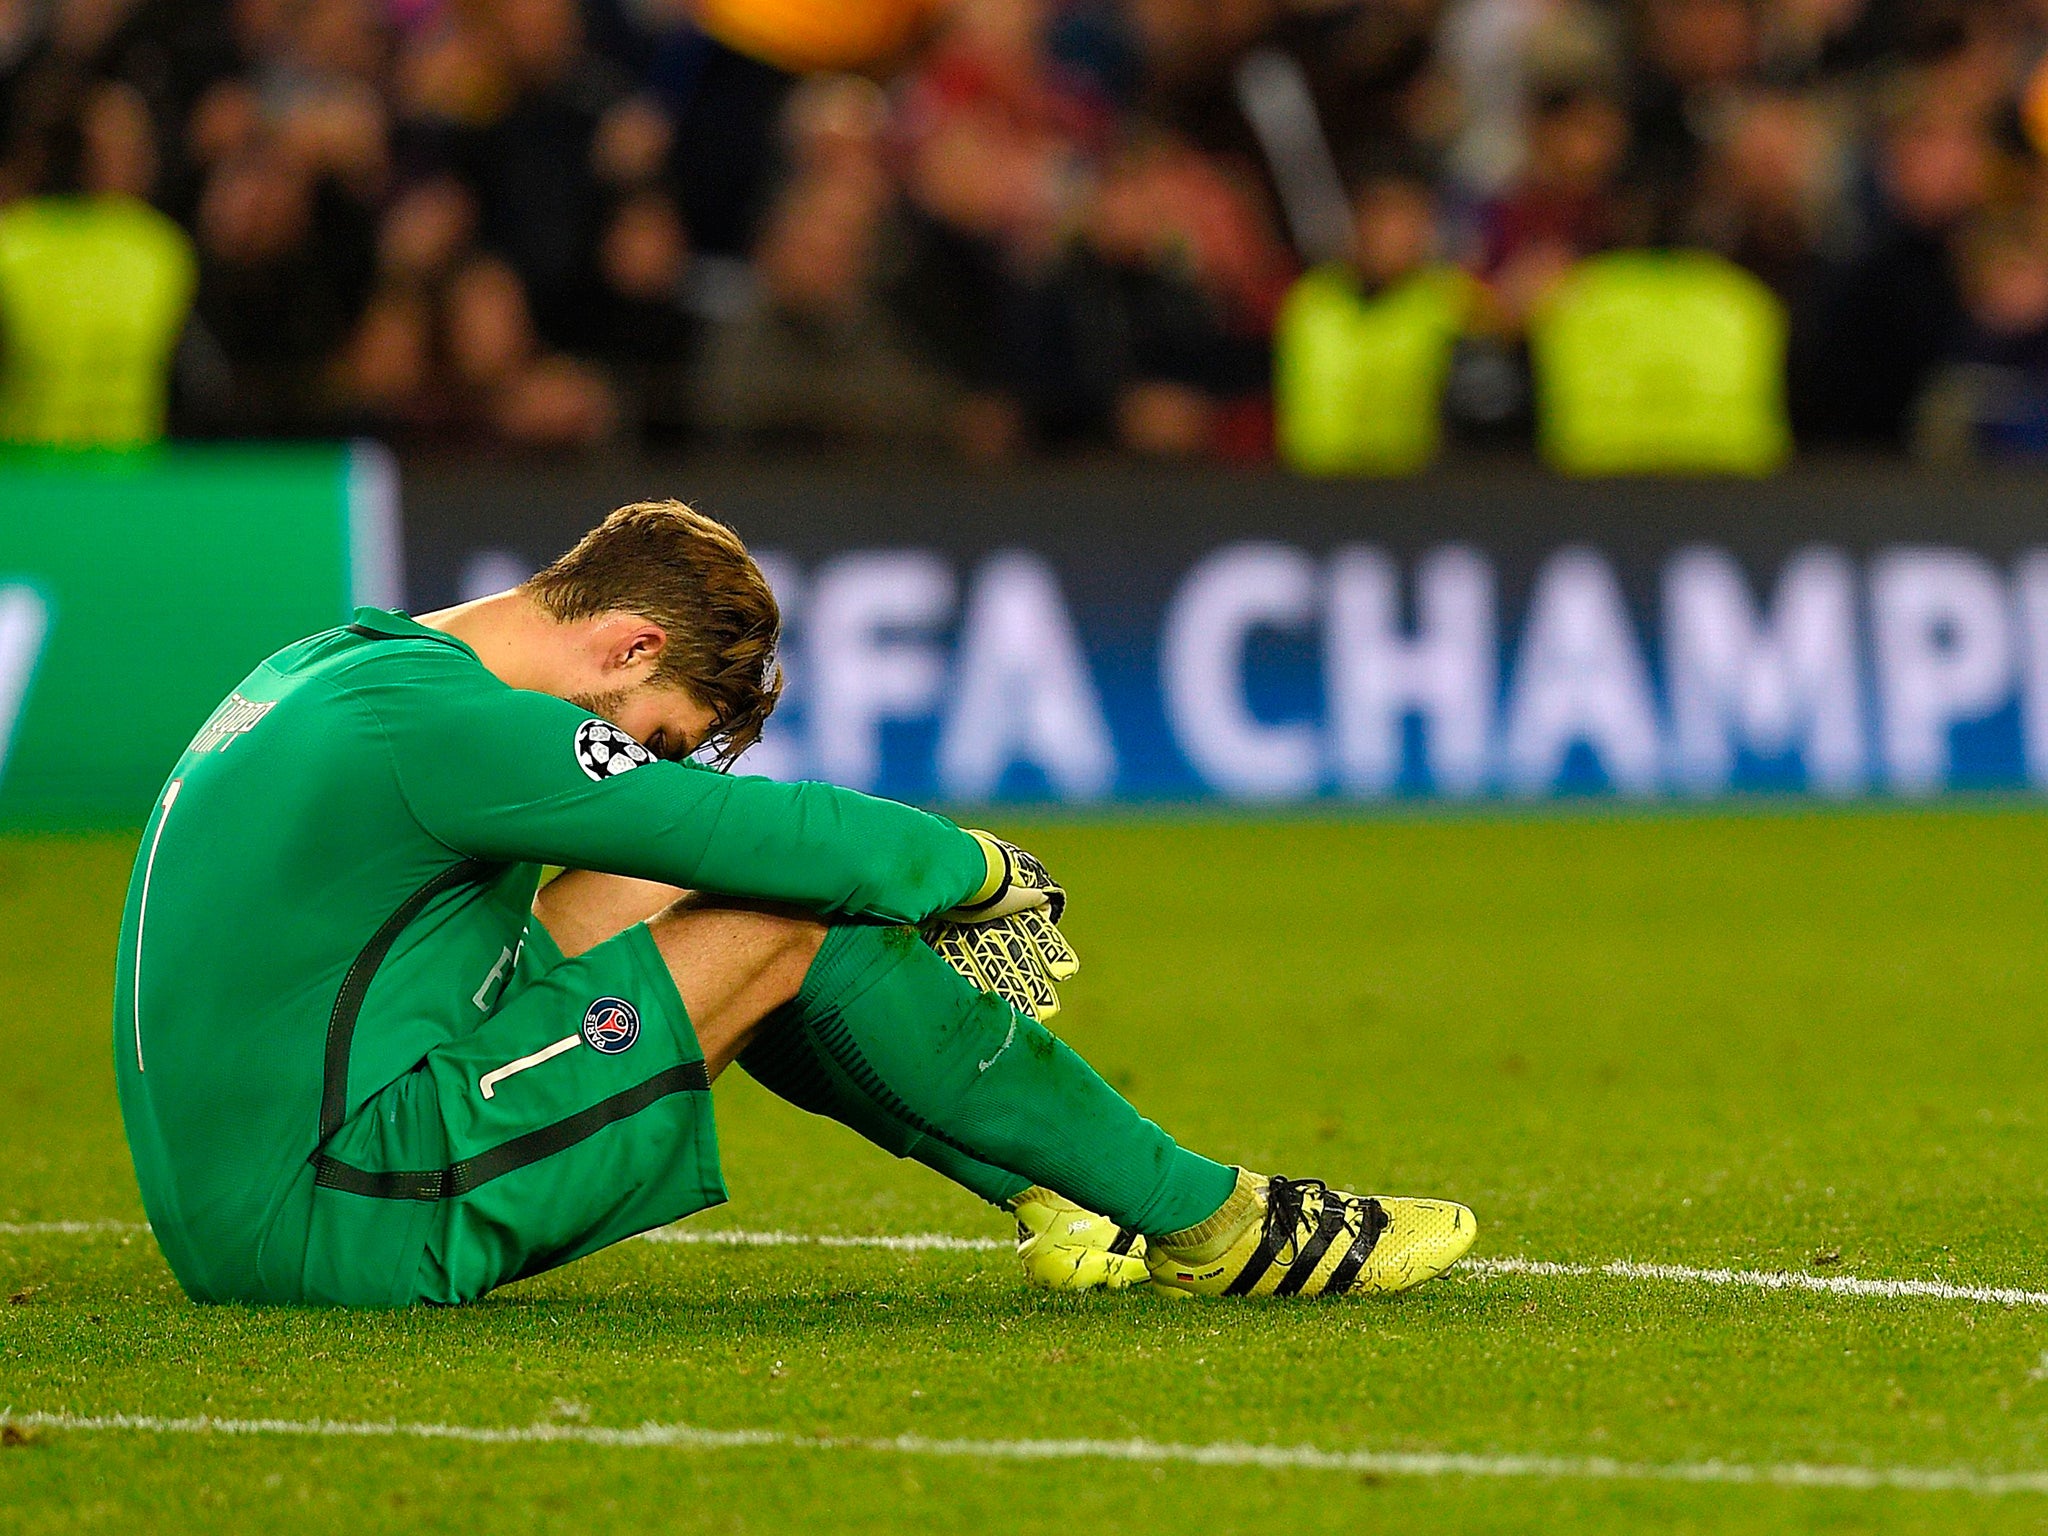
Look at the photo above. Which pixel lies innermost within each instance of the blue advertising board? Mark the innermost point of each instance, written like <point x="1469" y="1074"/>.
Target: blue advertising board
<point x="1122" y="636"/>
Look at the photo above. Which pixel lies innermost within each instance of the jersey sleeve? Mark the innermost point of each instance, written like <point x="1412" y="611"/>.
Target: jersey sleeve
<point x="502" y="773"/>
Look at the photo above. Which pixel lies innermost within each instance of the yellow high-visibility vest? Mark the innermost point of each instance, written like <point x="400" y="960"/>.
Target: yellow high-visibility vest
<point x="93" y="295"/>
<point x="1358" y="379"/>
<point x="1661" y="362"/>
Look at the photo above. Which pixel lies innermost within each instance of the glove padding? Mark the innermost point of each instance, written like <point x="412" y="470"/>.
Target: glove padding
<point x="1016" y="882"/>
<point x="1018" y="957"/>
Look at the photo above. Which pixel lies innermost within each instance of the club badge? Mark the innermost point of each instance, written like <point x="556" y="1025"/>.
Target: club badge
<point x="603" y="751"/>
<point x="610" y="1025"/>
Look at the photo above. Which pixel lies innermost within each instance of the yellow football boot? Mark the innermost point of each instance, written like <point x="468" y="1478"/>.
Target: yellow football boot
<point x="1299" y="1237"/>
<point x="1066" y="1247"/>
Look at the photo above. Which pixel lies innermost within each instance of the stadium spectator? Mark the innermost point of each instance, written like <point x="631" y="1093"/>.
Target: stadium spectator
<point x="818" y="352"/>
<point x="995" y="148"/>
<point x="1495" y="55"/>
<point x="647" y="335"/>
<point x="285" y="263"/>
<point x="507" y="379"/>
<point x="94" y="287"/>
<point x="1992" y="397"/>
<point x="507" y="99"/>
<point x="1885" y="316"/>
<point x="1696" y="55"/>
<point x="1363" y="352"/>
<point x="1566" y="204"/>
<point x="385" y="377"/>
<point x="472" y="366"/>
<point x="1152" y="324"/>
<point x="1768" y="194"/>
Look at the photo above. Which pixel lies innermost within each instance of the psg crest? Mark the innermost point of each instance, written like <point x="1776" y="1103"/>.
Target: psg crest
<point x="611" y="1024"/>
<point x="604" y="751"/>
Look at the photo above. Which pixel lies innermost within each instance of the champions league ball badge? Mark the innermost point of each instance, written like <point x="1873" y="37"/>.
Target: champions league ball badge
<point x="603" y="751"/>
<point x="610" y="1025"/>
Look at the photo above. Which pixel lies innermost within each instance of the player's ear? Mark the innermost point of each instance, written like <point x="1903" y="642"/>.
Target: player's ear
<point x="633" y="644"/>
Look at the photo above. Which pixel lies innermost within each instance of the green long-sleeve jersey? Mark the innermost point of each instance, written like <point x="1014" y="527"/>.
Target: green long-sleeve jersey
<point x="359" y="829"/>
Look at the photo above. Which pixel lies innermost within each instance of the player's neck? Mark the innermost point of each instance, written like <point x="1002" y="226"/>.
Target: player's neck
<point x="517" y="640"/>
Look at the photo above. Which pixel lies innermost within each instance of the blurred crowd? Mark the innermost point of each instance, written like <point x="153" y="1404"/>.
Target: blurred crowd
<point x="999" y="227"/>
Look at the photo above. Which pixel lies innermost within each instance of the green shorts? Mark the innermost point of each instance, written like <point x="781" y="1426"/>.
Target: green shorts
<point x="578" y="1114"/>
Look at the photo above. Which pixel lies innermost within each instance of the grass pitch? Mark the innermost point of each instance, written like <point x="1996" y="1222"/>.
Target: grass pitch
<point x="1808" y="1044"/>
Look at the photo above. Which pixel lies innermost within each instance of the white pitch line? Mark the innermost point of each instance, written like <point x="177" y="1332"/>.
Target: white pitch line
<point x="1619" y="1269"/>
<point x="942" y="1242"/>
<point x="1306" y="1458"/>
<point x="1764" y="1279"/>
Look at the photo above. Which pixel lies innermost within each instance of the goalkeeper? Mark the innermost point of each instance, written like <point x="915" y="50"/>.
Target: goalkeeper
<point x="365" y="1058"/>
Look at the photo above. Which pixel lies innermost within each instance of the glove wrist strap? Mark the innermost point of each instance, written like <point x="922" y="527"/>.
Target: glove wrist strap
<point x="992" y="888"/>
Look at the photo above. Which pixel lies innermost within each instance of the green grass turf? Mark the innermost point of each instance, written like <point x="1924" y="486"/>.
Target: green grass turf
<point x="1747" y="1040"/>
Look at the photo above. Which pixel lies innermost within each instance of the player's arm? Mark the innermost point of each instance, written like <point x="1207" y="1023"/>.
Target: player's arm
<point x="501" y="773"/>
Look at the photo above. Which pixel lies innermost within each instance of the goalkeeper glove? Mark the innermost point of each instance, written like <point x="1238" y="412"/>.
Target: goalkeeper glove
<point x="1016" y="882"/>
<point x="1019" y="958"/>
<point x="1004" y="938"/>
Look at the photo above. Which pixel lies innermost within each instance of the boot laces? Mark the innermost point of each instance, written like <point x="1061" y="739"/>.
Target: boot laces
<point x="1294" y="1209"/>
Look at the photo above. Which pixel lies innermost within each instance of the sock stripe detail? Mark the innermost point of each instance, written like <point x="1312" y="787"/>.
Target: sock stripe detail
<point x="829" y="1029"/>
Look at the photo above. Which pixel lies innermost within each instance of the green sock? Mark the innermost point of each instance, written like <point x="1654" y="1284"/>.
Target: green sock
<point x="785" y="1059"/>
<point x="961" y="1069"/>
